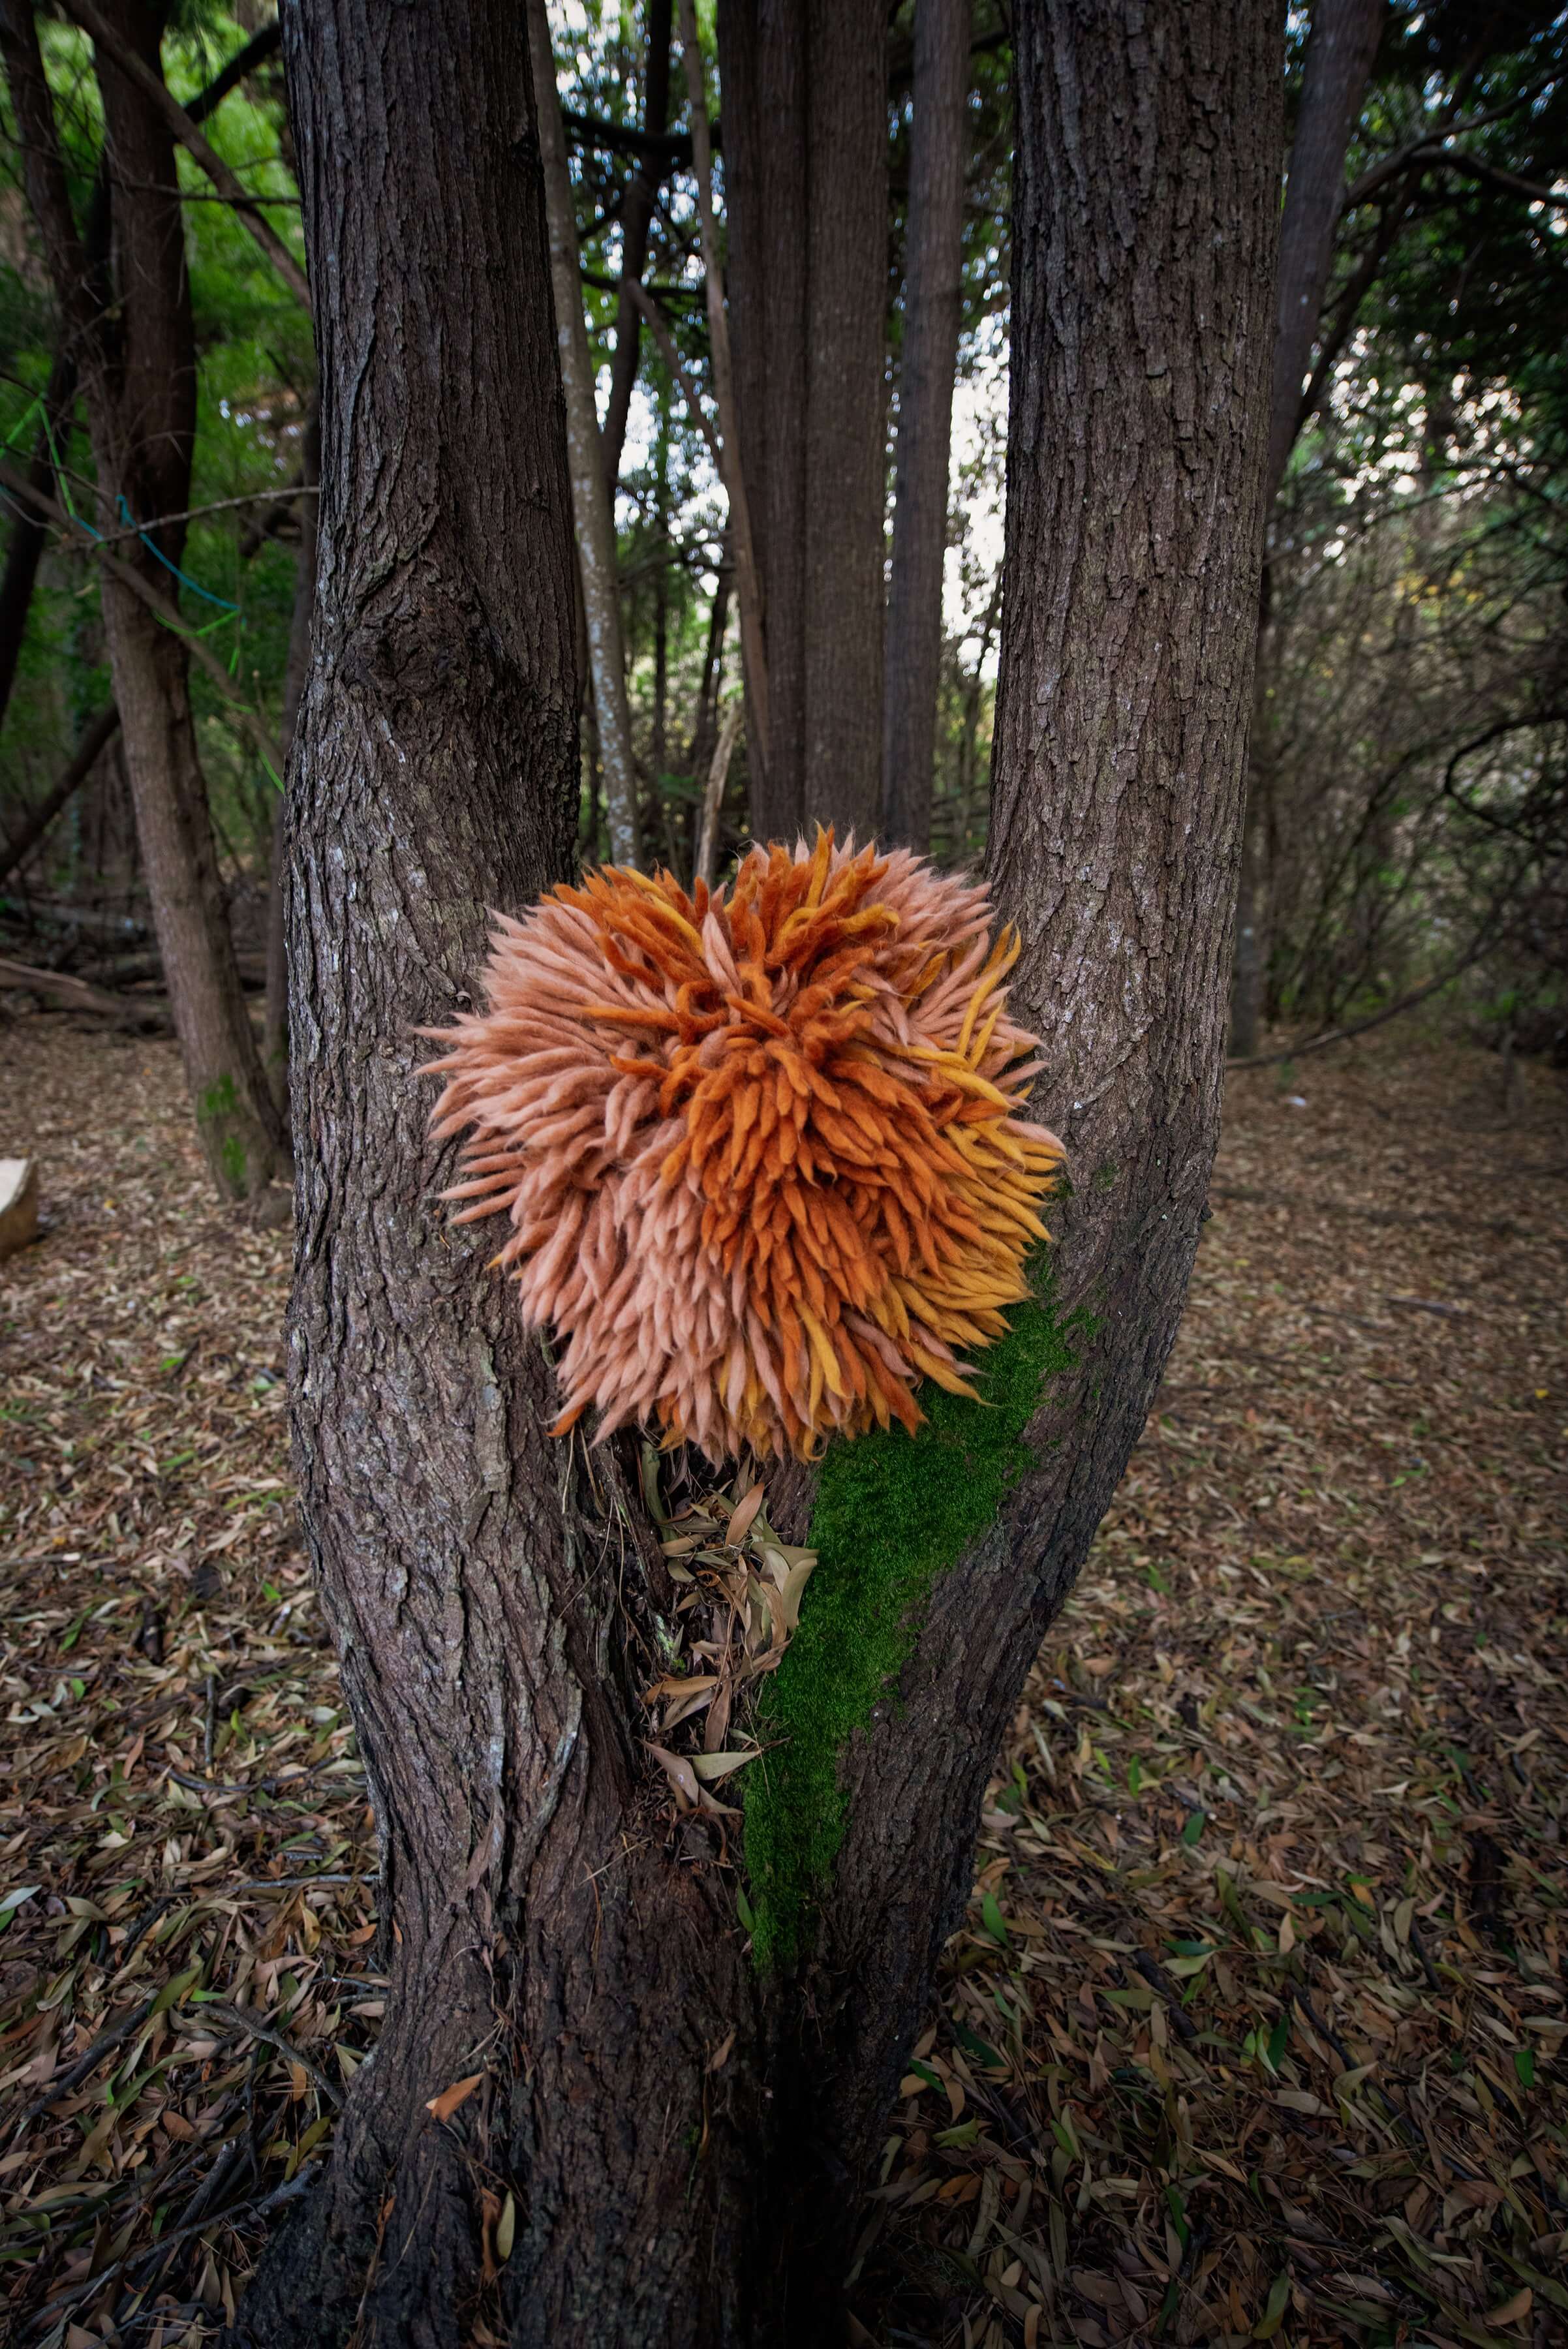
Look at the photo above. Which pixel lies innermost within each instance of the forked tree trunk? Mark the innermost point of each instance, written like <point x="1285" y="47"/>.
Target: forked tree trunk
<point x="685" y="2136"/>
<point x="933" y="301"/>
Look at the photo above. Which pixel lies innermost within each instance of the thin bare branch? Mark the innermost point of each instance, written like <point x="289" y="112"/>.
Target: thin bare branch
<point x="109" y="43"/>
<point x="78" y="534"/>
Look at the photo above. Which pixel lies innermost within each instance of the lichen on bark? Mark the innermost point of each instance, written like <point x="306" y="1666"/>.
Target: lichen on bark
<point x="893" y="1512"/>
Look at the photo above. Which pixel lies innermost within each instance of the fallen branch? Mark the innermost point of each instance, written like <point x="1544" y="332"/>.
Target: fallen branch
<point x="104" y="2045"/>
<point x="243" y="2018"/>
<point x="75" y="995"/>
<point x="1361" y="1027"/>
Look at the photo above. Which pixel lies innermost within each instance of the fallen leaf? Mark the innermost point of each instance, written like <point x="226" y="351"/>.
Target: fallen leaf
<point x="442" y="2107"/>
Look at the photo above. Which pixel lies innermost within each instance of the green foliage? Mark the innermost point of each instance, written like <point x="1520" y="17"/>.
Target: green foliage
<point x="256" y="372"/>
<point x="893" y="1512"/>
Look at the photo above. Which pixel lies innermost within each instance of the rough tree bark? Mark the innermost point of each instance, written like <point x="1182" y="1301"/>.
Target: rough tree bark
<point x="805" y="150"/>
<point x="685" y="2136"/>
<point x="933" y="301"/>
<point x="1341" y="47"/>
<point x="274" y="1025"/>
<point x="593" y="505"/>
<point x="136" y="353"/>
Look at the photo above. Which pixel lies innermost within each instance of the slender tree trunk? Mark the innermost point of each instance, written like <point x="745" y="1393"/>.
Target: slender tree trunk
<point x="763" y="64"/>
<point x="637" y="215"/>
<point x="684" y="2138"/>
<point x="235" y="1115"/>
<point x="847" y="420"/>
<point x="29" y="532"/>
<point x="1341" y="47"/>
<point x="741" y="534"/>
<point x="1249" y="959"/>
<point x="274" y="1031"/>
<point x="969" y="740"/>
<point x="139" y="373"/>
<point x="591" y="504"/>
<point x="806" y="146"/>
<point x="713" y="793"/>
<point x="94" y="741"/>
<point x="704" y="733"/>
<point x="933" y="282"/>
<point x="661" y="593"/>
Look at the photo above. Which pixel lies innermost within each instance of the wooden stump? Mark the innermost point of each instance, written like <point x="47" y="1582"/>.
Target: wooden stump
<point x="19" y="1203"/>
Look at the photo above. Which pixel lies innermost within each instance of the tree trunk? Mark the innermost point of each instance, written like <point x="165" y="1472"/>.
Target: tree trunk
<point x="967" y="808"/>
<point x="706" y="731"/>
<point x="637" y="215"/>
<point x="740" y="532"/>
<point x="592" y="507"/>
<point x="275" y="1030"/>
<point x="29" y="532"/>
<point x="805" y="149"/>
<point x="138" y="367"/>
<point x="1250" y="953"/>
<point x="1340" y="50"/>
<point x="934" y="300"/>
<point x="847" y="417"/>
<point x="95" y="740"/>
<point x="1341" y="47"/>
<point x="685" y="2130"/>
<point x="235" y="1117"/>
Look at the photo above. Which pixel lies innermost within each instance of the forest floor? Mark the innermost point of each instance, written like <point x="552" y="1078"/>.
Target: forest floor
<point x="1252" y="2031"/>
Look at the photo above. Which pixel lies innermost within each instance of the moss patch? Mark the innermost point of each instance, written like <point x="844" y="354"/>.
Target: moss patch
<point x="893" y="1512"/>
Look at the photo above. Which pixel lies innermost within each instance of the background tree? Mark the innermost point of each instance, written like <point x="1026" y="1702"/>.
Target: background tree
<point x="1341" y="46"/>
<point x="1454" y="149"/>
<point x="681" y="2121"/>
<point x="805" y="149"/>
<point x="933" y="304"/>
<point x="127" y="315"/>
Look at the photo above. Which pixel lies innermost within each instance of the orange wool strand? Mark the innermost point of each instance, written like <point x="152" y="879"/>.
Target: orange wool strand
<point x="760" y="1150"/>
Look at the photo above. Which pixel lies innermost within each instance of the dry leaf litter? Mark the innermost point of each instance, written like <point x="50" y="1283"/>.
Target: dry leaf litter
<point x="1251" y="2031"/>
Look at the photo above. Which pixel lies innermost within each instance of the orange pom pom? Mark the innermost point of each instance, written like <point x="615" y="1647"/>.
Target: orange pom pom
<point x="760" y="1150"/>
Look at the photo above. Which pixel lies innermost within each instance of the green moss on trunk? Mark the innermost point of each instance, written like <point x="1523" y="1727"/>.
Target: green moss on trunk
<point x="893" y="1512"/>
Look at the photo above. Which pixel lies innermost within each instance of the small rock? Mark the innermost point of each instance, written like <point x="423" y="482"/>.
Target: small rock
<point x="19" y="1203"/>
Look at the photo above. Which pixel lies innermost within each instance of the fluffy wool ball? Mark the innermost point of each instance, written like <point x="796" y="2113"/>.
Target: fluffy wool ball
<point x="760" y="1149"/>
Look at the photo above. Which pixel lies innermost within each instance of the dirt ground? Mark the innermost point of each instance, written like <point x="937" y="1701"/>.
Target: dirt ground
<point x="1252" y="2031"/>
